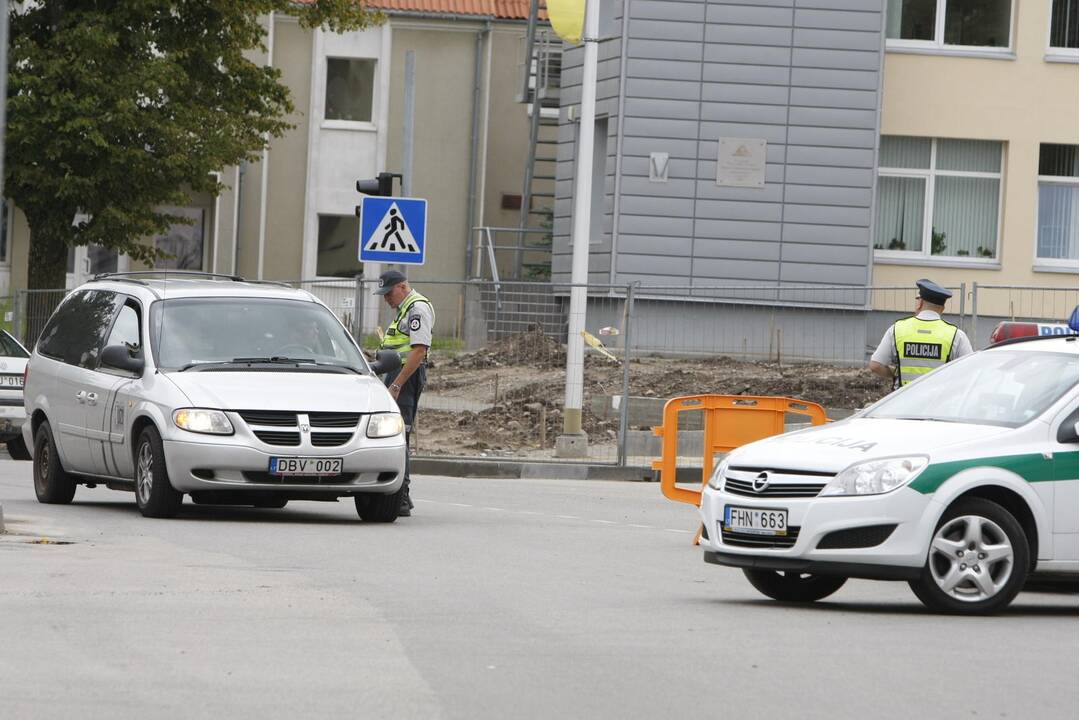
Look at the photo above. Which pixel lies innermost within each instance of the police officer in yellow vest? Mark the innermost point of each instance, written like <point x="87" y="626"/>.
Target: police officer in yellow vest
<point x="410" y="335"/>
<point x="920" y="344"/>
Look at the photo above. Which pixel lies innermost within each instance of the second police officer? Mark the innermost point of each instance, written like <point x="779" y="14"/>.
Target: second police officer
<point x="919" y="344"/>
<point x="410" y="335"/>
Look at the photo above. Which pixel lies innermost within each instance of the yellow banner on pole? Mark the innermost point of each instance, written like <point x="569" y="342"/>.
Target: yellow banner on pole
<point x="567" y="19"/>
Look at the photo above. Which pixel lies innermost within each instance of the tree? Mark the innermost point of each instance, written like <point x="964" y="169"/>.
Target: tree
<point x="119" y="107"/>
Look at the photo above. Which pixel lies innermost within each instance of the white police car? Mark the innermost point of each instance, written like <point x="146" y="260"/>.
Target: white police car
<point x="964" y="483"/>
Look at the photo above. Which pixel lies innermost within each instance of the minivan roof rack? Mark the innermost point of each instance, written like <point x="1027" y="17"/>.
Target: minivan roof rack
<point x="133" y="274"/>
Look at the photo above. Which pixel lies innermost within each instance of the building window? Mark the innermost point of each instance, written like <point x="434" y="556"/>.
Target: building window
<point x="184" y="243"/>
<point x="1064" y="25"/>
<point x="950" y="23"/>
<point x="350" y="89"/>
<point x="938" y="198"/>
<point x="1058" y="203"/>
<point x="338" y="246"/>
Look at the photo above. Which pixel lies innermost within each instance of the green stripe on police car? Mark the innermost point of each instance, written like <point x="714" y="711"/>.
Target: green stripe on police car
<point x="1032" y="467"/>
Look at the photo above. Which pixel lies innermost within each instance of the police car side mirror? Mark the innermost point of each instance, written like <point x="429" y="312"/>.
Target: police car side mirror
<point x="1068" y="432"/>
<point x="386" y="361"/>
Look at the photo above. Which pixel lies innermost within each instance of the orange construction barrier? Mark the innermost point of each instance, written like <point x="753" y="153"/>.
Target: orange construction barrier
<point x="729" y="422"/>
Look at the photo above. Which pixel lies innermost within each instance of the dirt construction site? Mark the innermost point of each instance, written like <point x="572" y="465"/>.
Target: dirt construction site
<point x="505" y="399"/>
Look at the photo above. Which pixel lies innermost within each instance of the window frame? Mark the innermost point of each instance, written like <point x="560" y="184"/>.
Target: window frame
<point x="358" y="125"/>
<point x="930" y="174"/>
<point x="1055" y="53"/>
<point x="1051" y="264"/>
<point x="937" y="46"/>
<point x="318" y="221"/>
<point x="134" y="304"/>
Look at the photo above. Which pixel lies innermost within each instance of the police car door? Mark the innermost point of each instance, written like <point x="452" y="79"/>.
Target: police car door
<point x="1064" y="446"/>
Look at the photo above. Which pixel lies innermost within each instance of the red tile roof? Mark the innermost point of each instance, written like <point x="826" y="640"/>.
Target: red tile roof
<point x="506" y="9"/>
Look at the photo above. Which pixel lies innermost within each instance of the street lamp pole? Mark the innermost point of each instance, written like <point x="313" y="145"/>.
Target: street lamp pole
<point x="573" y="442"/>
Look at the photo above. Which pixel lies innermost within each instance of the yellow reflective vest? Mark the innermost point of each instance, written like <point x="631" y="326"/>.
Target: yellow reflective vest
<point x="397" y="336"/>
<point x="922" y="346"/>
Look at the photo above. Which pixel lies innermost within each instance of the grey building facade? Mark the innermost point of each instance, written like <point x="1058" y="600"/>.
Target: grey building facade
<point x="677" y="76"/>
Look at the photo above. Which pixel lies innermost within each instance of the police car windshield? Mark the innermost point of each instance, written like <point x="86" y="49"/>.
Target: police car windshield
<point x="998" y="387"/>
<point x="187" y="332"/>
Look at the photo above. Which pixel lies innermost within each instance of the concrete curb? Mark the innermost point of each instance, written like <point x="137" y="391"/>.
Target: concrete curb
<point x="467" y="467"/>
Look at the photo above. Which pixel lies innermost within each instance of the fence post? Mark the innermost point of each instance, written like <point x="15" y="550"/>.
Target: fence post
<point x="623" y="408"/>
<point x="974" y="314"/>
<point x="357" y="311"/>
<point x="16" y="317"/>
<point x="963" y="304"/>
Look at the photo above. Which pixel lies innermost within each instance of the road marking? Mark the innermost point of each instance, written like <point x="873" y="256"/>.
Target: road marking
<point x="562" y="517"/>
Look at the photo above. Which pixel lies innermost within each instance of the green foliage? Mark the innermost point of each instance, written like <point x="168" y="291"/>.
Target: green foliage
<point x="897" y="244"/>
<point x="118" y="108"/>
<point x="938" y="245"/>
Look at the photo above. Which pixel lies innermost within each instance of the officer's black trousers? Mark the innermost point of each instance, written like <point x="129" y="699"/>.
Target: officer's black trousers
<point x="408" y="401"/>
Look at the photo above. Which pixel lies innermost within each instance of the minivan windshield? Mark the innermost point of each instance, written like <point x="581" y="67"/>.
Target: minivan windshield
<point x="993" y="387"/>
<point x="187" y="332"/>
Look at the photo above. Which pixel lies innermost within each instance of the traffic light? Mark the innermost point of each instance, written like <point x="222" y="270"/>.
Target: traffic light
<point x="381" y="185"/>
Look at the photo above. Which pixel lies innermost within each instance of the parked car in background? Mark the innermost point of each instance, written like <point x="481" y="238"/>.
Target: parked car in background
<point x="229" y="391"/>
<point x="13" y="357"/>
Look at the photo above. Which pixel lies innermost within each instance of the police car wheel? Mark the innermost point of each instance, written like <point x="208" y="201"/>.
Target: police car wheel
<point x="52" y="484"/>
<point x="793" y="586"/>
<point x="978" y="560"/>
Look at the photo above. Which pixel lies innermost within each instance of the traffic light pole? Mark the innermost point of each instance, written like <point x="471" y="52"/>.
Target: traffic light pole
<point x="573" y="442"/>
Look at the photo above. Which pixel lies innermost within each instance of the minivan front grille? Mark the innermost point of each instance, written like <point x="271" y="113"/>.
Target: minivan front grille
<point x="273" y="418"/>
<point x="271" y="437"/>
<point x="329" y="439"/>
<point x="334" y="420"/>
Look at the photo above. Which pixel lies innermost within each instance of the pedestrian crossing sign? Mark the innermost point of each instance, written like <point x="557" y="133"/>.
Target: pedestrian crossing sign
<point x="393" y="230"/>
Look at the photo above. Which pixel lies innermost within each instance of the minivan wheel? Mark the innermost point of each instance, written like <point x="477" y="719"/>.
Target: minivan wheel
<point x="793" y="586"/>
<point x="978" y="560"/>
<point x="52" y="484"/>
<point x="16" y="448"/>
<point x="379" y="507"/>
<point x="154" y="494"/>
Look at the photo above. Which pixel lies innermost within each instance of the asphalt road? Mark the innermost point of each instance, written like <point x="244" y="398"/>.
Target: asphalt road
<point x="497" y="599"/>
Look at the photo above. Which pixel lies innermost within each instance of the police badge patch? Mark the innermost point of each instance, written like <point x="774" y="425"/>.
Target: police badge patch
<point x="414" y="323"/>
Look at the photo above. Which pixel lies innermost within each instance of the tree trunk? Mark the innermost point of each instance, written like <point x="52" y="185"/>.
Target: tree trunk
<point x="48" y="255"/>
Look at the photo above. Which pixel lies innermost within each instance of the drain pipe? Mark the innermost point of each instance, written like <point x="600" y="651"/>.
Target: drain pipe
<point x="473" y="163"/>
<point x="265" y="165"/>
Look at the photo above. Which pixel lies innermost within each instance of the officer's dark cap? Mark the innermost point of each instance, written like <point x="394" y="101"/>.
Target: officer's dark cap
<point x="388" y="280"/>
<point x="931" y="292"/>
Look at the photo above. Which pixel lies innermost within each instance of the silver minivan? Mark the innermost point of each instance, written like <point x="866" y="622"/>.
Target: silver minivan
<point x="229" y="391"/>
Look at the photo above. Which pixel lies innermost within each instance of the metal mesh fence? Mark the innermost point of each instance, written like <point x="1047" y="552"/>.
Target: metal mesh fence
<point x="497" y="369"/>
<point x="995" y="303"/>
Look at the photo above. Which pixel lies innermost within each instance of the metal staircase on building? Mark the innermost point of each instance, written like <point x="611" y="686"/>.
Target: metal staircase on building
<point x="541" y="72"/>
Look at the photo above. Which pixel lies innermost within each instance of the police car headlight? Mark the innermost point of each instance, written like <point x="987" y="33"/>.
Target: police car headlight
<point x="384" y="425"/>
<point x="200" y="420"/>
<point x="716" y="481"/>
<point x="876" y="476"/>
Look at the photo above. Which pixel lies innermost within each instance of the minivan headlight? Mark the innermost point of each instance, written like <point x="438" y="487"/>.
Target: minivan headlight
<point x="200" y="420"/>
<point x="875" y="477"/>
<point x="384" y="425"/>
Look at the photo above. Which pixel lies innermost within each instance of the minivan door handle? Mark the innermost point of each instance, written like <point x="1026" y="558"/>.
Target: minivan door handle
<point x="80" y="396"/>
<point x="91" y="398"/>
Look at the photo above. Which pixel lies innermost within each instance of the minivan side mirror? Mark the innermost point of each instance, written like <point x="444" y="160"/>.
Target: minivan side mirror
<point x="386" y="361"/>
<point x="119" y="357"/>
